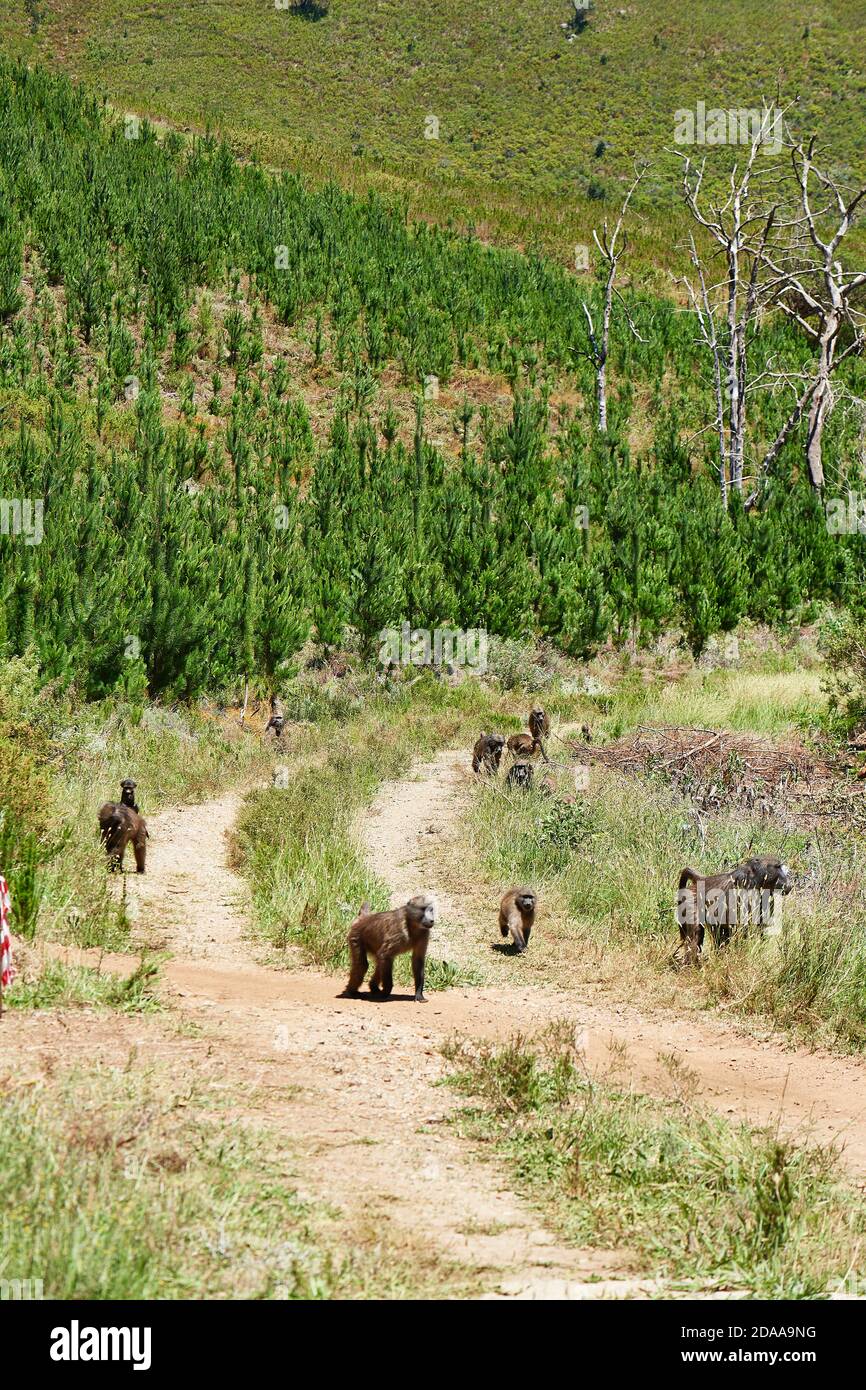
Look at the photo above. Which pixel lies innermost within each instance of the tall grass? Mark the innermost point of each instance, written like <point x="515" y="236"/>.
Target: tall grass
<point x="702" y="1202"/>
<point x="114" y="1191"/>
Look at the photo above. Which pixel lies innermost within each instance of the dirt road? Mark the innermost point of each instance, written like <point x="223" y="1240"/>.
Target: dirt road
<point x="353" y="1083"/>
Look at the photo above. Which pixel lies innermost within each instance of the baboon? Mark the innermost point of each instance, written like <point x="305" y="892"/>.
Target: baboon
<point x="721" y="901"/>
<point x="523" y="745"/>
<point x="277" y="721"/>
<point x="127" y="793"/>
<point x="539" y="723"/>
<point x="119" y="826"/>
<point x="487" y="753"/>
<point x="385" y="935"/>
<point x="520" y="776"/>
<point x="517" y="916"/>
<point x="586" y="733"/>
<point x="539" y="727"/>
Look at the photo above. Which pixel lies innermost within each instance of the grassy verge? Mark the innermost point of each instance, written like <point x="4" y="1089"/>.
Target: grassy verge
<point x="59" y="986"/>
<point x="119" y="1189"/>
<point x="703" y="1203"/>
<point x="606" y="868"/>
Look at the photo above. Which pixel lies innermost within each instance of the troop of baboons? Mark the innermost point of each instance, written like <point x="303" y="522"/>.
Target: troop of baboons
<point x="737" y="896"/>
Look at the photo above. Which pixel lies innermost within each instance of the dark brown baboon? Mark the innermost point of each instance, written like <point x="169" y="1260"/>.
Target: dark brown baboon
<point x="487" y="753"/>
<point x="523" y="745"/>
<point x="119" y="826"/>
<point x="517" y="916"/>
<point x="277" y="721"/>
<point x="539" y="727"/>
<point x="127" y="793"/>
<point x="722" y="901"/>
<point x="520" y="776"/>
<point x="586" y="733"/>
<point x="385" y="935"/>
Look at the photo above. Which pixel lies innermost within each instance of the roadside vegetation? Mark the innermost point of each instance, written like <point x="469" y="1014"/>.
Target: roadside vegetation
<point x="704" y="1204"/>
<point x="129" y="1185"/>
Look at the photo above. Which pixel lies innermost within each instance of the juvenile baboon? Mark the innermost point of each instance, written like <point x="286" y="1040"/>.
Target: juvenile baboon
<point x="517" y="915"/>
<point x="586" y="733"/>
<point x="119" y="826"/>
<point x="724" y="900"/>
<point x="127" y="793"/>
<point x="277" y="721"/>
<point x="523" y="745"/>
<point x="520" y="776"/>
<point x="385" y="935"/>
<point x="487" y="753"/>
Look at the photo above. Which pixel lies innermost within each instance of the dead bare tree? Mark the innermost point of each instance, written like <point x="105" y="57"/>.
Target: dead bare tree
<point x="811" y="285"/>
<point x="740" y="292"/>
<point x="776" y="253"/>
<point x="612" y="246"/>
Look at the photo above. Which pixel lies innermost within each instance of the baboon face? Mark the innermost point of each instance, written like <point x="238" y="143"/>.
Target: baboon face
<point x="495" y="742"/>
<point x="525" y="901"/>
<point x="127" y="785"/>
<point x="422" y="911"/>
<point x="767" y="872"/>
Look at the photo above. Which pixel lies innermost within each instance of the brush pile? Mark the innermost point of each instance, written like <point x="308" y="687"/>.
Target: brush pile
<point x="717" y="768"/>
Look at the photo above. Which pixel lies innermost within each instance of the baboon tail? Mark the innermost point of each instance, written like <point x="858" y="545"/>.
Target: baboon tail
<point x="687" y="874"/>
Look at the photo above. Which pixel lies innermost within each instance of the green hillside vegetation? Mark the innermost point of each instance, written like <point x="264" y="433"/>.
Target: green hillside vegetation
<point x="537" y="123"/>
<point x="166" y="313"/>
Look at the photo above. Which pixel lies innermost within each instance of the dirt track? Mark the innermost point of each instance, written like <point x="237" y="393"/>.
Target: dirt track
<point x="352" y="1083"/>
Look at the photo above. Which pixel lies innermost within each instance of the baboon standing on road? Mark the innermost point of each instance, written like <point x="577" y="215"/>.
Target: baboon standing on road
<point x="119" y="826"/>
<point x="517" y="915"/>
<point x="385" y="935"/>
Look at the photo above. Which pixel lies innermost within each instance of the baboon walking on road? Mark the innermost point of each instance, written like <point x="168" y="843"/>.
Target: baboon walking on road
<point x="385" y="935"/>
<point x="119" y="826"/>
<point x="517" y="916"/>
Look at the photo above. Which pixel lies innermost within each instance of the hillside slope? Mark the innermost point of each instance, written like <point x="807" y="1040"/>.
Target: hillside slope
<point x="535" y="122"/>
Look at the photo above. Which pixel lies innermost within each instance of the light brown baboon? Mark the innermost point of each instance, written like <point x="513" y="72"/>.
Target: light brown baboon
<point x="487" y="753"/>
<point x="277" y="721"/>
<point x="385" y="935"/>
<point x="127" y="793"/>
<point x="721" y="901"/>
<point x="519" y="776"/>
<point x="539" y="727"/>
<point x="119" y="826"/>
<point x="523" y="745"/>
<point x="517" y="916"/>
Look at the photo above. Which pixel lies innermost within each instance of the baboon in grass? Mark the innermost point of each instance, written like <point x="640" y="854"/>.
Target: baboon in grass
<point x="523" y="745"/>
<point x="519" y="776"/>
<point x="384" y="935"/>
<point x="277" y="721"/>
<point x="722" y="901"/>
<point x="539" y="727"/>
<point x="127" y="793"/>
<point x="517" y="916"/>
<point x="119" y="826"/>
<point x="487" y="753"/>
